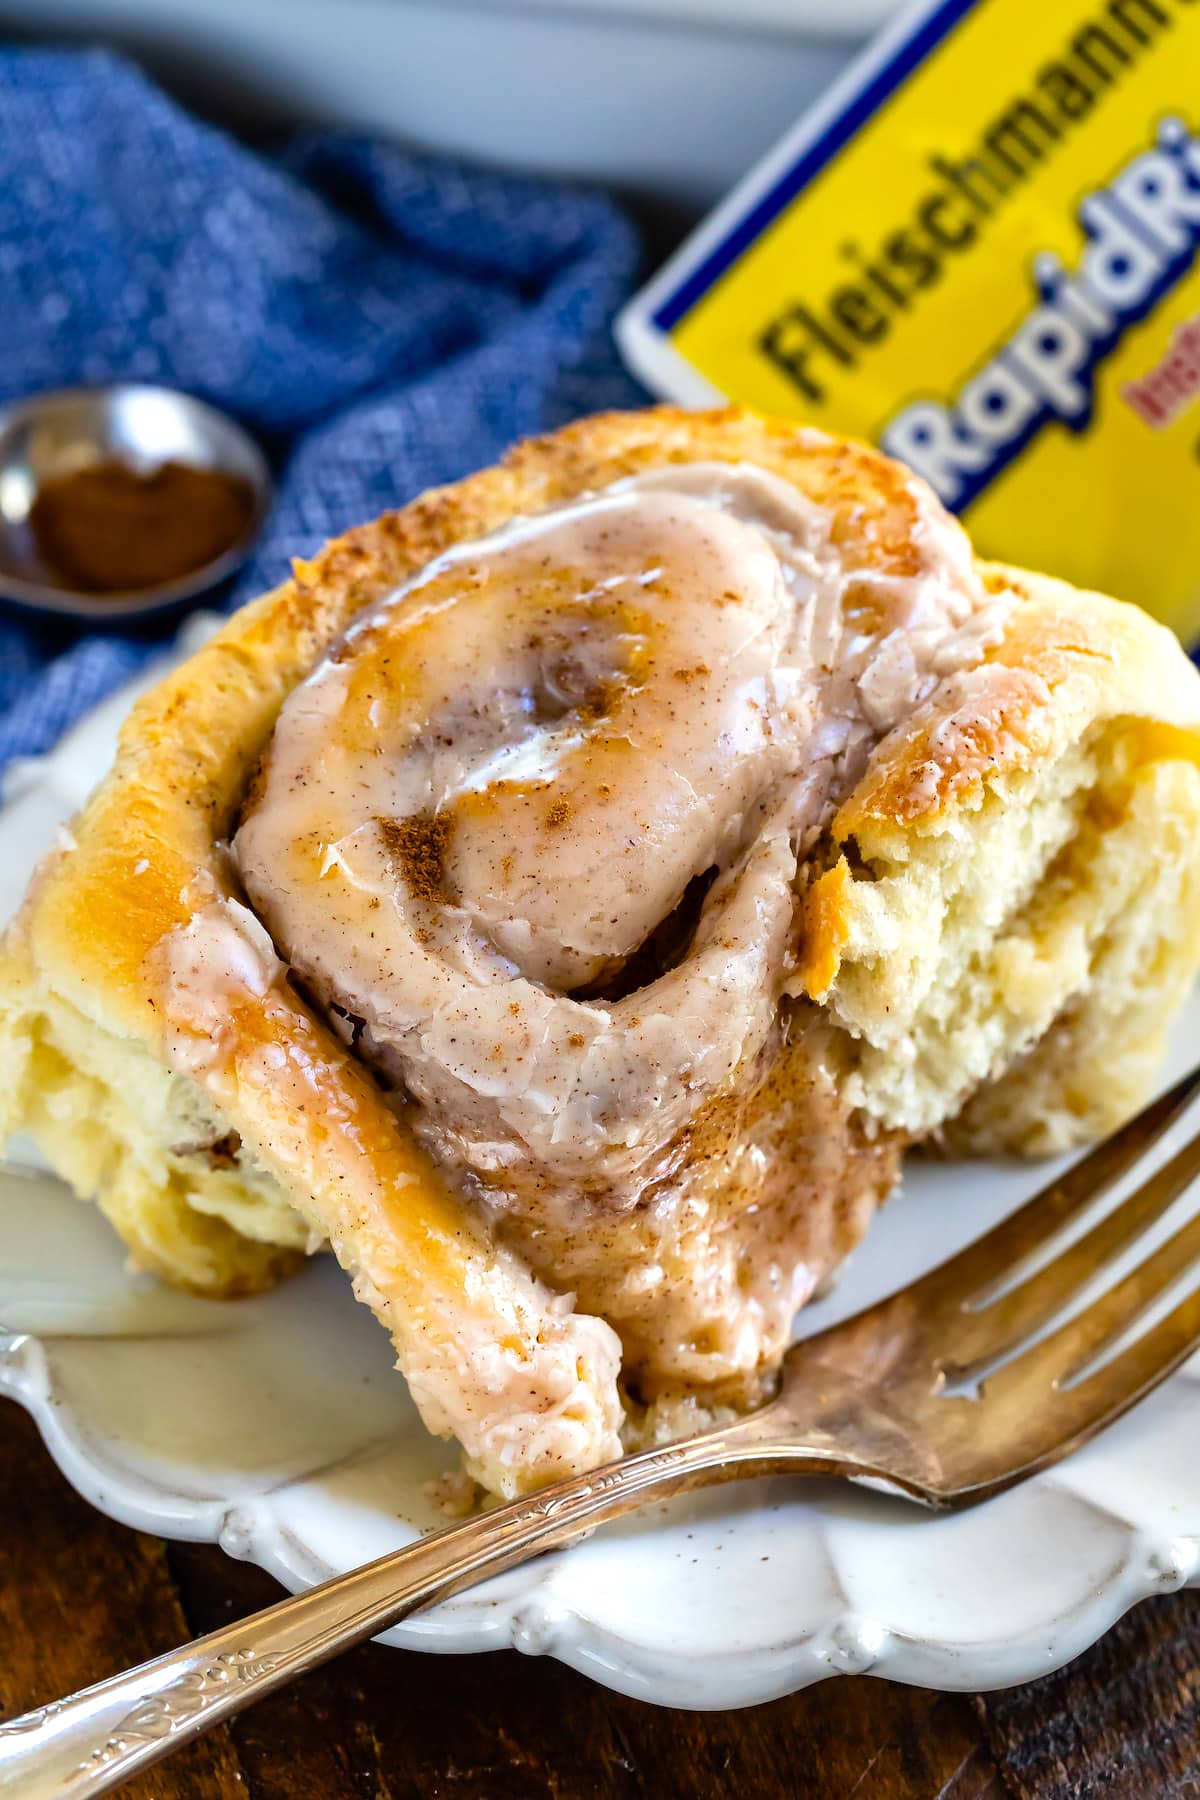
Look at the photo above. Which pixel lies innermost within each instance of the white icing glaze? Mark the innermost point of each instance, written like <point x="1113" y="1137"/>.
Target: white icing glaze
<point x="222" y="955"/>
<point x="595" y="705"/>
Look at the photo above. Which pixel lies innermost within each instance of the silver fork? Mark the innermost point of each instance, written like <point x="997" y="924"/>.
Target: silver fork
<point x="961" y="1384"/>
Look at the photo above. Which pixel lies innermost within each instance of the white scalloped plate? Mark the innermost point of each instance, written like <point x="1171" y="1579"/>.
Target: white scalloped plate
<point x="277" y="1427"/>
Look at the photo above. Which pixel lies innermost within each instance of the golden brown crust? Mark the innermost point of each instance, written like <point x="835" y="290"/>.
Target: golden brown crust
<point x="1067" y="660"/>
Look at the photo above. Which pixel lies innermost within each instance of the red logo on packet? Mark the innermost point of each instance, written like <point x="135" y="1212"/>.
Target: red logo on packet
<point x="1159" y="396"/>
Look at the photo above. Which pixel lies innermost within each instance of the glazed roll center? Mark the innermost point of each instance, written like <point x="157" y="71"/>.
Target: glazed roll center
<point x="498" y="786"/>
<point x="586" y="724"/>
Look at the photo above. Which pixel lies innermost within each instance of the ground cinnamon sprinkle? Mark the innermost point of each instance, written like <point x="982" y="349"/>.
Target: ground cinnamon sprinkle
<point x="109" y="529"/>
<point x="419" y="846"/>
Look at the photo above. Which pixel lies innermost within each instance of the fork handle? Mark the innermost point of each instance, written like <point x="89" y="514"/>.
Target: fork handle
<point x="77" y="1748"/>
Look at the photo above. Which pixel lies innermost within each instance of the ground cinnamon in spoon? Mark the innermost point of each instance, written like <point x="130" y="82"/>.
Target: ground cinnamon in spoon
<point x="108" y="528"/>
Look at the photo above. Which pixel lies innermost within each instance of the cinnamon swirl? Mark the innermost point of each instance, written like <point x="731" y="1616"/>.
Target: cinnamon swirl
<point x="569" y="895"/>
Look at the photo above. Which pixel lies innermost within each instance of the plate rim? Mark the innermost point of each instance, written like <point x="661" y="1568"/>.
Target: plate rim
<point x="847" y="1642"/>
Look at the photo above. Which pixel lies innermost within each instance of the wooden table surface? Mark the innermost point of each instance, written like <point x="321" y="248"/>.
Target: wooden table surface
<point x="81" y="1597"/>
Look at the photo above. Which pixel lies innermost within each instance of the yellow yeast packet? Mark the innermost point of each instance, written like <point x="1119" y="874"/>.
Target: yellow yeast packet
<point x="981" y="253"/>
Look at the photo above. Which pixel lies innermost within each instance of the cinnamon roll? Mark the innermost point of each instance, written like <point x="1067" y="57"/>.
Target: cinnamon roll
<point x="568" y="896"/>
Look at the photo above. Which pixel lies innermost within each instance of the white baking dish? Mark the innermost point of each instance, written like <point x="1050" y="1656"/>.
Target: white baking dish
<point x="675" y="98"/>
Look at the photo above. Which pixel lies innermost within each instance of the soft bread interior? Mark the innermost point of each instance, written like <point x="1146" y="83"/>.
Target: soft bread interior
<point x="1034" y="937"/>
<point x="179" y="1186"/>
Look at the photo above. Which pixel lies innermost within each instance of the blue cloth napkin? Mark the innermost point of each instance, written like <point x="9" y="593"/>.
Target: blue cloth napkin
<point x="380" y="320"/>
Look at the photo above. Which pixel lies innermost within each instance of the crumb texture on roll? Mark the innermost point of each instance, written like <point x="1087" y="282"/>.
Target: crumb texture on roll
<point x="630" y="851"/>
